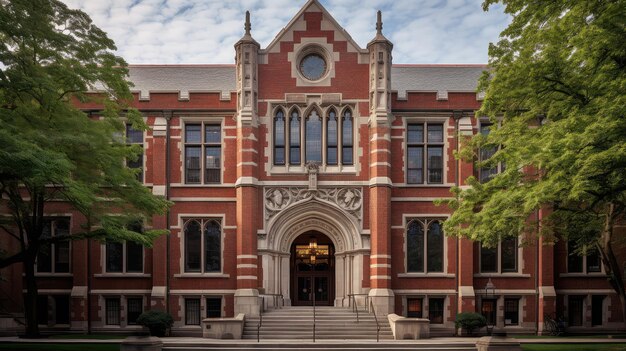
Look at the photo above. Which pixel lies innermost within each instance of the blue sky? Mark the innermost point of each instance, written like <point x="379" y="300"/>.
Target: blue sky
<point x="204" y="31"/>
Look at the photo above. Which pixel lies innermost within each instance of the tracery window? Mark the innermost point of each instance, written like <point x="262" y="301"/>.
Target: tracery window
<point x="424" y="246"/>
<point x="318" y="136"/>
<point x="203" y="251"/>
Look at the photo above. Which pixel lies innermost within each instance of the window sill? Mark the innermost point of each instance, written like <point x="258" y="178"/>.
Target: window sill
<point x="122" y="275"/>
<point x="54" y="275"/>
<point x="589" y="275"/>
<point x="297" y="169"/>
<point x="208" y="185"/>
<point x="201" y="275"/>
<point x="426" y="275"/>
<point x="410" y="185"/>
<point x="502" y="275"/>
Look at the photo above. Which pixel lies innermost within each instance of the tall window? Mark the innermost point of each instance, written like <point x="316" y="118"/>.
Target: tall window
<point x="331" y="138"/>
<point x="192" y="311"/>
<point x="135" y="137"/>
<point x="279" y="138"/>
<point x="347" y="138"/>
<point x="499" y="259"/>
<point x="424" y="242"/>
<point x="203" y="245"/>
<point x="55" y="258"/>
<point x="321" y="137"/>
<point x="112" y="311"/>
<point x="313" y="137"/>
<point x="126" y="257"/>
<point x="589" y="263"/>
<point x="425" y="149"/>
<point x="203" y="151"/>
<point x="486" y="173"/>
<point x="294" y="138"/>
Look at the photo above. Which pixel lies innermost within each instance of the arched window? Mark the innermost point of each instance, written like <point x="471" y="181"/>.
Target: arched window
<point x="193" y="246"/>
<point x="212" y="247"/>
<point x="424" y="246"/>
<point x="347" y="138"/>
<point x="294" y="138"/>
<point x="203" y="245"/>
<point x="331" y="138"/>
<point x="415" y="247"/>
<point x="434" y="245"/>
<point x="313" y="137"/>
<point x="279" y="138"/>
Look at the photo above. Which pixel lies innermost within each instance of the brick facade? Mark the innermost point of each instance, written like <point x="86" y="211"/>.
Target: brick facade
<point x="368" y="228"/>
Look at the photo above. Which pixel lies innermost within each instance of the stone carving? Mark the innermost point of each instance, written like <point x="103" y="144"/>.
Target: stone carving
<point x="349" y="199"/>
<point x="312" y="168"/>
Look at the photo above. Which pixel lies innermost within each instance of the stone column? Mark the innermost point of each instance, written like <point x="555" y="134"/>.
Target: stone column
<point x="545" y="281"/>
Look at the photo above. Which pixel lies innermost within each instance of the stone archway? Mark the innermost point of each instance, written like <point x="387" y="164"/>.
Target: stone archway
<point x="313" y="214"/>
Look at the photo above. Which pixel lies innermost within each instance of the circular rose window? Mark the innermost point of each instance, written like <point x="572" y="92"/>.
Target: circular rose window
<point x="313" y="66"/>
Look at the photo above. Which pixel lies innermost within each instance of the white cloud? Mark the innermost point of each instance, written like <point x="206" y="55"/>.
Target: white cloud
<point x="204" y="31"/>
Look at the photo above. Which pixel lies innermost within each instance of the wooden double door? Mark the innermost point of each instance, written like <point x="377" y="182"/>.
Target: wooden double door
<point x="312" y="270"/>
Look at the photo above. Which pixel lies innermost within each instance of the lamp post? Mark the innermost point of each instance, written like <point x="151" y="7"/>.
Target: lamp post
<point x="490" y="293"/>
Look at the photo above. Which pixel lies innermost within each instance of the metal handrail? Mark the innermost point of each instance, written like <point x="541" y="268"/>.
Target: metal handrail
<point x="258" y="326"/>
<point x="314" y="312"/>
<point x="376" y="319"/>
<point x="354" y="306"/>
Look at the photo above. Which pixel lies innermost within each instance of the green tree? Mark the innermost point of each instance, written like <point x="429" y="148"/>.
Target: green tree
<point x="50" y="57"/>
<point x="557" y="89"/>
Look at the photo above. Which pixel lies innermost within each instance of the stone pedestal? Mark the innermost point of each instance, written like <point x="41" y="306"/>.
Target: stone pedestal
<point x="498" y="342"/>
<point x="247" y="302"/>
<point x="383" y="301"/>
<point x="223" y="328"/>
<point x="404" y="328"/>
<point x="141" y="343"/>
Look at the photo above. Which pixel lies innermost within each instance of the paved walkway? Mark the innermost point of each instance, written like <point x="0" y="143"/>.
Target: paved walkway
<point x="193" y="341"/>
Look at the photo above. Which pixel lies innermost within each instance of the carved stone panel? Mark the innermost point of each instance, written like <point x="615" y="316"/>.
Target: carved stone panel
<point x="350" y="199"/>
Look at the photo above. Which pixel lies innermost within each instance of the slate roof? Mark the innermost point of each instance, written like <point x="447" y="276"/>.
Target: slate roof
<point x="221" y="78"/>
<point x="435" y="78"/>
<point x="183" y="79"/>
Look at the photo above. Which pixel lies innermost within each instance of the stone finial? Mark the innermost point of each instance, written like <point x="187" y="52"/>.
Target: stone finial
<point x="247" y="25"/>
<point x="379" y="23"/>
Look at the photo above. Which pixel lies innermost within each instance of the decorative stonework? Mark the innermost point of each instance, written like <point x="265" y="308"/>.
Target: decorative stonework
<point x="350" y="199"/>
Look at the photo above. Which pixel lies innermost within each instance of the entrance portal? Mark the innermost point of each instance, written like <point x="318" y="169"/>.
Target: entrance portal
<point x="312" y="270"/>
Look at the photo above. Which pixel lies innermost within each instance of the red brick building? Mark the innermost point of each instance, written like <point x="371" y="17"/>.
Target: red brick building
<point x="309" y="165"/>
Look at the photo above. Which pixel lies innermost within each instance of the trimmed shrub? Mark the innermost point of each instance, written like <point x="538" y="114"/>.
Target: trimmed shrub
<point x="470" y="321"/>
<point x="158" y="322"/>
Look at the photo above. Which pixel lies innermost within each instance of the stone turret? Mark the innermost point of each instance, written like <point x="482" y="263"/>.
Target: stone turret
<point x="380" y="76"/>
<point x="246" y="61"/>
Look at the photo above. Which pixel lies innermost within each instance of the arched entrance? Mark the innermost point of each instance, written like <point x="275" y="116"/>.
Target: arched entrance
<point x="312" y="270"/>
<point x="293" y="225"/>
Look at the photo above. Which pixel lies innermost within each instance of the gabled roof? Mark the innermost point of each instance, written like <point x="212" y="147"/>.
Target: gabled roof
<point x="312" y="6"/>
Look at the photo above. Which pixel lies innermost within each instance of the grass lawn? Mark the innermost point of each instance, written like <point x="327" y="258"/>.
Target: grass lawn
<point x="58" y="347"/>
<point x="574" y="347"/>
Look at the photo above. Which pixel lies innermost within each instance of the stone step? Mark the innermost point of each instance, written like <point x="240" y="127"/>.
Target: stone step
<point x="317" y="346"/>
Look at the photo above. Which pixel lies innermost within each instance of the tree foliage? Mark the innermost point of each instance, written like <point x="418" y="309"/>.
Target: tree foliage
<point x="556" y="93"/>
<point x="51" y="57"/>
